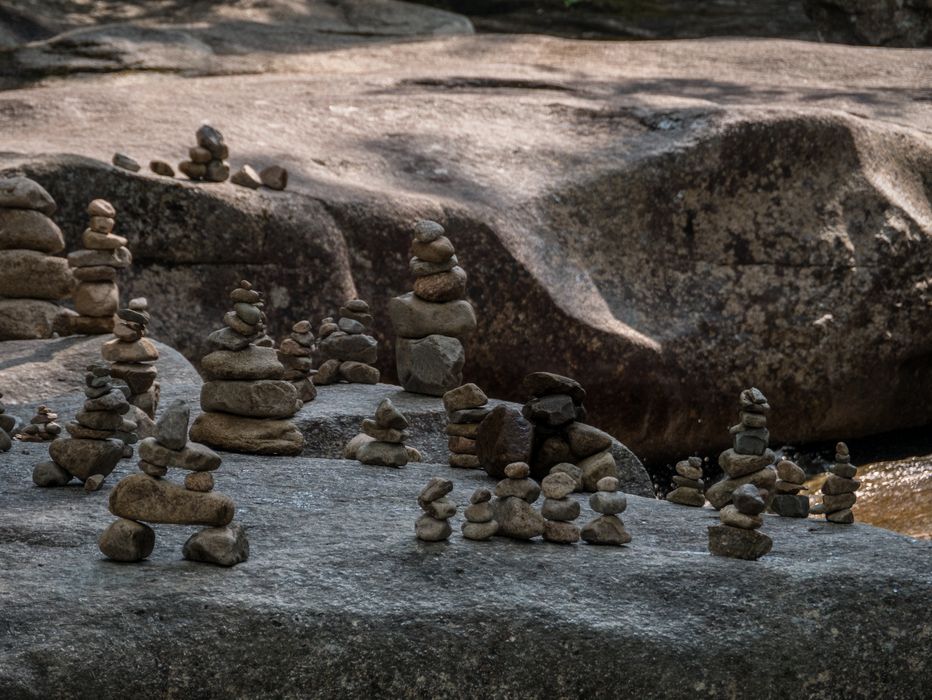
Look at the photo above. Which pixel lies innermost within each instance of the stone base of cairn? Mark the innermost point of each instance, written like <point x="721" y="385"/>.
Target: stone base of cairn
<point x="32" y="279"/>
<point x="346" y="347"/>
<point x="750" y="461"/>
<point x="787" y="501"/>
<point x="838" y="490"/>
<point x="41" y="427"/>
<point x="8" y="427"/>
<point x="480" y="524"/>
<point x="381" y="442"/>
<point x="513" y="507"/>
<point x="100" y="436"/>
<point x="149" y="498"/>
<point x="433" y="525"/>
<point x="688" y="487"/>
<point x="737" y="536"/>
<point x="607" y="528"/>
<point x="295" y="353"/>
<point x="207" y="160"/>
<point x="559" y="509"/>
<point x="466" y="407"/>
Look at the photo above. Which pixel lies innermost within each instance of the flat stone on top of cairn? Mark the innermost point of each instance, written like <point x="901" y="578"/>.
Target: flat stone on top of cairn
<point x="838" y="489"/>
<point x="480" y="522"/>
<point x="294" y="352"/>
<point x="381" y="442"/>
<point x="207" y="160"/>
<point x="737" y="536"/>
<point x="433" y="525"/>
<point x="41" y="427"/>
<point x="514" y="496"/>
<point x="347" y="348"/>
<point x="132" y="358"/>
<point x="466" y="407"/>
<point x="787" y="500"/>
<point x="607" y="528"/>
<point x="688" y="485"/>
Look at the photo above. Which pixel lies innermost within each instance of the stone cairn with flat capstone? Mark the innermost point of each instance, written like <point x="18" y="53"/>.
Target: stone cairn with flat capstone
<point x="480" y="524"/>
<point x="433" y="525"/>
<point x="737" y="536"/>
<point x="607" y="528"/>
<point x="347" y="348"/>
<point x="132" y="358"/>
<point x="432" y="321"/>
<point x="787" y="501"/>
<point x="838" y="489"/>
<point x="246" y="403"/>
<point x="8" y="425"/>
<point x="687" y="483"/>
<point x="559" y="510"/>
<point x="207" y="160"/>
<point x="381" y="442"/>
<point x="42" y="427"/>
<point x="514" y="496"/>
<point x="294" y="352"/>
<point x="466" y="407"/>
<point x="32" y="277"/>
<point x="148" y="498"/>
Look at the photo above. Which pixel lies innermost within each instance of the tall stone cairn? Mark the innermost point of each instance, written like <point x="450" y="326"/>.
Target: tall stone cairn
<point x="32" y="278"/>
<point x="295" y="353"/>
<point x="347" y="347"/>
<point x="787" y="500"/>
<point x="466" y="407"/>
<point x="688" y="484"/>
<point x="431" y="321"/>
<point x="838" y="490"/>
<point x="245" y="399"/>
<point x="132" y="358"/>
<point x="513" y="509"/>
<point x="559" y="509"/>
<point x="607" y="528"/>
<point x="42" y="427"/>
<point x="207" y="160"/>
<point x="737" y="536"/>
<point x="433" y="525"/>
<point x="480" y="524"/>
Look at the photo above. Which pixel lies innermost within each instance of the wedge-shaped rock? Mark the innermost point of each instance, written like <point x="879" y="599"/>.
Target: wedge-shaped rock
<point x="225" y="546"/>
<point x="193" y="456"/>
<point x="84" y="458"/>
<point x="141" y="497"/>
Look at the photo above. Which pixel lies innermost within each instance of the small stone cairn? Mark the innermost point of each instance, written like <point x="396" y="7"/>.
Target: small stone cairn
<point x="96" y="296"/>
<point x="687" y="484"/>
<point x="480" y="522"/>
<point x="381" y="442"/>
<point x="132" y="358"/>
<point x="100" y="436"/>
<point x="346" y="347"/>
<point x="513" y="509"/>
<point x="838" y="490"/>
<point x="737" y="536"/>
<point x="149" y="498"/>
<point x="41" y="427"/>
<point x="433" y="525"/>
<point x="208" y="157"/>
<point x="246" y="402"/>
<point x="8" y="426"/>
<point x="294" y="353"/>
<point x="466" y="407"/>
<point x="607" y="528"/>
<point x="787" y="501"/>
<point x="559" y="509"/>
<point x="749" y="461"/>
<point x="431" y="321"/>
<point x="32" y="277"/>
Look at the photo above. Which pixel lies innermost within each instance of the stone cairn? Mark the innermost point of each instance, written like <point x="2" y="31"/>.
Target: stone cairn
<point x="749" y="461"/>
<point x="381" y="442"/>
<point x="737" y="536"/>
<point x="132" y="356"/>
<point x="96" y="296"/>
<point x="8" y="426"/>
<point x="347" y="349"/>
<point x="838" y="490"/>
<point x="433" y="525"/>
<point x="513" y="508"/>
<point x="466" y="407"/>
<point x="687" y="483"/>
<point x="787" y="501"/>
<point x="100" y="436"/>
<point x="32" y="278"/>
<point x="208" y="157"/>
<point x="294" y="353"/>
<point x="480" y="524"/>
<point x="559" y="509"/>
<point x="607" y="527"/>
<point x="246" y="402"/>
<point x="431" y="321"/>
<point x="41" y="427"/>
<point x="149" y="498"/>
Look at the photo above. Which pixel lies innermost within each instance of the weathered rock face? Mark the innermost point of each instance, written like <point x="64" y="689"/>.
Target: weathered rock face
<point x="874" y="22"/>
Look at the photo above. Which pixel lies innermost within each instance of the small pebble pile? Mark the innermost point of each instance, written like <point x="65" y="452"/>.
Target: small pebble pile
<point x="132" y="357"/>
<point x="96" y="296"/>
<point x="246" y="402"/>
<point x="41" y="427"/>
<point x="737" y="536"/>
<point x="100" y="436"/>
<point x="559" y="509"/>
<point x="480" y="524"/>
<point x="149" y="498"/>
<point x="294" y="353"/>
<point x="513" y="507"/>
<point x="431" y="321"/>
<point x="433" y="525"/>
<point x="347" y="349"/>
<point x="838" y="490"/>
<point x="687" y="484"/>
<point x="7" y="427"/>
<point x="749" y="461"/>
<point x="466" y="407"/>
<point x="381" y="442"/>
<point x="607" y="528"/>
<point x="32" y="278"/>
<point x="787" y="501"/>
<point x="207" y="160"/>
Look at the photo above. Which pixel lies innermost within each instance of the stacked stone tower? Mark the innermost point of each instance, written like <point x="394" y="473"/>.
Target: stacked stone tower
<point x="607" y="528"/>
<point x="294" y="353"/>
<point x="737" y="536"/>
<point x="687" y="484"/>
<point x="480" y="522"/>
<point x="41" y="427"/>
<point x="513" y="504"/>
<point x="787" y="500"/>
<point x="208" y="157"/>
<point x="347" y="348"/>
<point x="838" y="490"/>
<point x="132" y="356"/>
<point x="466" y="407"/>
<point x="433" y="525"/>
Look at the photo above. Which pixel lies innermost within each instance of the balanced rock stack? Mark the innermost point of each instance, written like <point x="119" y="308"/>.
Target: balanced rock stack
<point x="687" y="484"/>
<point x="96" y="296"/>
<point x="32" y="278"/>
<point x="432" y="526"/>
<point x="466" y="407"/>
<point x="480" y="524"/>
<point x="8" y="426"/>
<point x="132" y="356"/>
<point x="295" y="355"/>
<point x="431" y="321"/>
<point x="749" y="461"/>
<point x="381" y="442"/>
<point x="787" y="501"/>
<point x="346" y="347"/>
<point x="208" y="157"/>
<point x="737" y="536"/>
<point x="514" y="495"/>
<point x="100" y="436"/>
<point x="607" y="528"/>
<point x="148" y="498"/>
<point x="559" y="509"/>
<point x="838" y="490"/>
<point x="41" y="427"/>
<point x="246" y="402"/>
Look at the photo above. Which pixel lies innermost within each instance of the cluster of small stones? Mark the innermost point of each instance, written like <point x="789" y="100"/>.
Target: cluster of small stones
<point x="274" y="177"/>
<point x="246" y="401"/>
<point x="559" y="510"/>
<point x="295" y="353"/>
<point x="381" y="442"/>
<point x="8" y="425"/>
<point x="480" y="524"/>
<point x="787" y="501"/>
<point x="431" y="322"/>
<point x="207" y="160"/>
<point x="737" y="536"/>
<point x="433" y="525"/>
<point x="32" y="277"/>
<point x="749" y="461"/>
<point x="838" y="490"/>
<point x="150" y="498"/>
<point x="466" y="407"/>
<point x="41" y="427"/>
<point x="100" y="436"/>
<point x="513" y="505"/>
<point x="347" y="349"/>
<point x="96" y="296"/>
<point x="688" y="487"/>
<point x="132" y="358"/>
